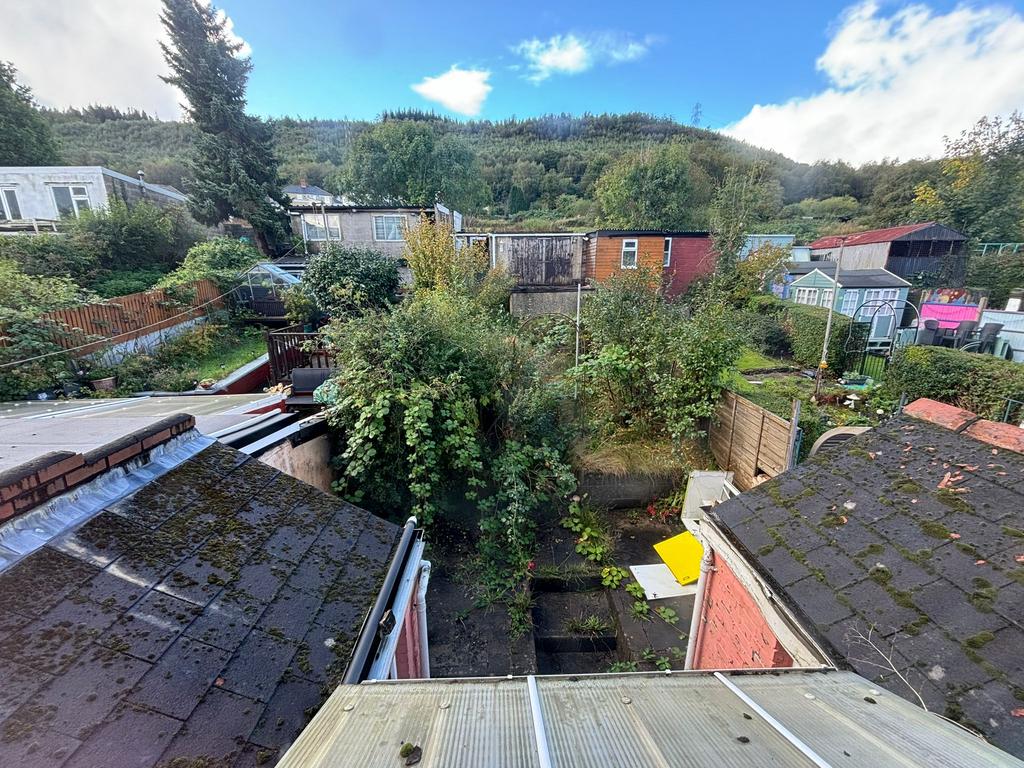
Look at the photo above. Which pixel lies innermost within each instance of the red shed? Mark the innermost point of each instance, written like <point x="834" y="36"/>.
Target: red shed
<point x="691" y="256"/>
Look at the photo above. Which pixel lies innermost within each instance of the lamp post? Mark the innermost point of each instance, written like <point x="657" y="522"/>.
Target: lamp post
<point x="828" y="323"/>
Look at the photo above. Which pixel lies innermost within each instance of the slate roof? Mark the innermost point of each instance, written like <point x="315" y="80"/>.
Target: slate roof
<point x="200" y="621"/>
<point x="849" y="278"/>
<point x="889" y="234"/>
<point x="309" y="189"/>
<point x="917" y="531"/>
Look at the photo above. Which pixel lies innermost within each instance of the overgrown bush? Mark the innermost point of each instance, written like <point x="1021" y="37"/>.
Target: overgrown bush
<point x="651" y="367"/>
<point x="343" y="279"/>
<point x="763" y="332"/>
<point x="52" y="255"/>
<point x="23" y="298"/>
<point x="805" y="330"/>
<point x="1000" y="272"/>
<point x="124" y="282"/>
<point x="140" y="236"/>
<point x="221" y="260"/>
<point x="979" y="383"/>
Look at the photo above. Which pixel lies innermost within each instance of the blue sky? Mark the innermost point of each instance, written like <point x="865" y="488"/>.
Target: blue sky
<point x="857" y="80"/>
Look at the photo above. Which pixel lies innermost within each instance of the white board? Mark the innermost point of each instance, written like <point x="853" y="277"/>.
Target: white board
<point x="659" y="583"/>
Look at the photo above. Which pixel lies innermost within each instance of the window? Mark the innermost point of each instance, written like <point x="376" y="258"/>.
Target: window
<point x="873" y="301"/>
<point x="826" y="297"/>
<point x="389" y="228"/>
<point x="628" y="260"/>
<point x="806" y="296"/>
<point x="850" y="301"/>
<point x="667" y="255"/>
<point x="9" y="208"/>
<point x="70" y="201"/>
<point x="314" y="230"/>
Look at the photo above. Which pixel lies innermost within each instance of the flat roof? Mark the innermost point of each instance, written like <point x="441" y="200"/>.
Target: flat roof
<point x="698" y="719"/>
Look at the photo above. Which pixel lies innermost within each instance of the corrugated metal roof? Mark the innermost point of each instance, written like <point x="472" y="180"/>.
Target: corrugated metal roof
<point x="635" y="721"/>
<point x="875" y="235"/>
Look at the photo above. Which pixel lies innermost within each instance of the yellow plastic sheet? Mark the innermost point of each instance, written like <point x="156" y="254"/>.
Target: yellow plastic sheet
<point x="682" y="554"/>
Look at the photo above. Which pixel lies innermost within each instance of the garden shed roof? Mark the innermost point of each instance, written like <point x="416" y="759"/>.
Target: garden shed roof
<point x="928" y="230"/>
<point x="849" y="278"/>
<point x="911" y="535"/>
<point x="198" y="620"/>
<point x="696" y="719"/>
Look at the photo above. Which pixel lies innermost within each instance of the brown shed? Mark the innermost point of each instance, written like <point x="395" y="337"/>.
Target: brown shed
<point x="613" y="251"/>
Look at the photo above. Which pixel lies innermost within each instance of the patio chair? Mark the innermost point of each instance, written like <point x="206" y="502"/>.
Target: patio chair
<point x="963" y="332"/>
<point x="926" y="336"/>
<point x="987" y="336"/>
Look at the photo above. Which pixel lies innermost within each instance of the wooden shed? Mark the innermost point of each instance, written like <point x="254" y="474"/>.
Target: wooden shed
<point x="539" y="259"/>
<point x="613" y="251"/>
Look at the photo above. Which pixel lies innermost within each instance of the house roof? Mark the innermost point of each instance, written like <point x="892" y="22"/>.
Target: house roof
<point x="848" y="278"/>
<point x="888" y="235"/>
<point x="309" y="189"/>
<point x="699" y="719"/>
<point x="910" y="533"/>
<point x="200" y="619"/>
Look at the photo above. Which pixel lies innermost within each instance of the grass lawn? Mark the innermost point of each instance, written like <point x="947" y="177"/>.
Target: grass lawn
<point x="752" y="360"/>
<point x="231" y="353"/>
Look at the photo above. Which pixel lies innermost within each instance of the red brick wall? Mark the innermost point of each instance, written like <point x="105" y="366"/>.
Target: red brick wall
<point x="733" y="634"/>
<point x="692" y="257"/>
<point x="30" y="485"/>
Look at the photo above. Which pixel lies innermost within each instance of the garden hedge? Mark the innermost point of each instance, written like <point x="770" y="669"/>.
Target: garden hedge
<point x="805" y="329"/>
<point x="979" y="383"/>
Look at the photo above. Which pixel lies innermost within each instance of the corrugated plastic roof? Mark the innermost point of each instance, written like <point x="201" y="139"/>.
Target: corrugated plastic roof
<point x="877" y="235"/>
<point x="636" y="720"/>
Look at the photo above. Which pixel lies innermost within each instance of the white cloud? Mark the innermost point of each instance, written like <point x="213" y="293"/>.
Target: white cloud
<point x="571" y="54"/>
<point x="898" y="85"/>
<point x="73" y="53"/>
<point x="460" y="90"/>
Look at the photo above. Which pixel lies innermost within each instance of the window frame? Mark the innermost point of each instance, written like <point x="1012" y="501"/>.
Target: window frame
<point x="882" y="294"/>
<point x="845" y="306"/>
<point x="403" y="225"/>
<point x="330" y="231"/>
<point x="666" y="258"/>
<point x="635" y="250"/>
<point x="76" y="198"/>
<point x="825" y="297"/>
<point x="810" y="291"/>
<point x="5" y="209"/>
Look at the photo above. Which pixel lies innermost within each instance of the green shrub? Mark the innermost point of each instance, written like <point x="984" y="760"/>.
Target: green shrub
<point x="979" y="383"/>
<point x="764" y="332"/>
<point x="805" y="329"/>
<point x="124" y="282"/>
<point x="52" y="255"/>
<point x="137" y="237"/>
<point x="221" y="260"/>
<point x="343" y="279"/>
<point x="1000" y="272"/>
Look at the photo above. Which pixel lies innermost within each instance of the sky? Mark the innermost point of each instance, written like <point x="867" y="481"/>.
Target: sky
<point x="856" y="81"/>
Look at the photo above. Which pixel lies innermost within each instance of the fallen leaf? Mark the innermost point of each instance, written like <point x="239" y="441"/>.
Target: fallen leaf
<point x="849" y="506"/>
<point x="908" y="448"/>
<point x="1018" y="712"/>
<point x="219" y="682"/>
<point x="872" y="455"/>
<point x="954" y="536"/>
<point x="981" y="562"/>
<point x="1019" y="558"/>
<point x="913" y="501"/>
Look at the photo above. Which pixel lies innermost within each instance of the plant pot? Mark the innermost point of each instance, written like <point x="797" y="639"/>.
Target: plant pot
<point x="105" y="385"/>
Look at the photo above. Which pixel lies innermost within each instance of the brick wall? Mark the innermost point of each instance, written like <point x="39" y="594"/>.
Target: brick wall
<point x="36" y="482"/>
<point x="733" y="634"/>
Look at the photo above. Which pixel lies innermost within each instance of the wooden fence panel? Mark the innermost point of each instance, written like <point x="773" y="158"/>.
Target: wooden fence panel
<point x="123" y="318"/>
<point x="750" y="441"/>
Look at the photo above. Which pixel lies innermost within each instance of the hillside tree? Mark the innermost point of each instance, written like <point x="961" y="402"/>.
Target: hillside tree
<point x="232" y="167"/>
<point x="651" y="189"/>
<point x="747" y="197"/>
<point x="25" y="136"/>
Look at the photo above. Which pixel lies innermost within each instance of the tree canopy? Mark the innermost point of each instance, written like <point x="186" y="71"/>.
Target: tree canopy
<point x="25" y="136"/>
<point x="232" y="168"/>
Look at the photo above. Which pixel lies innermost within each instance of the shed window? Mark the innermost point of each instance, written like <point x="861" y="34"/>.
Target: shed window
<point x="850" y="300"/>
<point x="71" y="200"/>
<point x="879" y="301"/>
<point x="826" y="297"/>
<point x="667" y="254"/>
<point x="9" y="208"/>
<point x="391" y="228"/>
<point x="317" y="227"/>
<point x="628" y="260"/>
<point x="806" y="296"/>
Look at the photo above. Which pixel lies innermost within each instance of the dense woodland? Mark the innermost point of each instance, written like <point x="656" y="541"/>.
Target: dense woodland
<point x="563" y="171"/>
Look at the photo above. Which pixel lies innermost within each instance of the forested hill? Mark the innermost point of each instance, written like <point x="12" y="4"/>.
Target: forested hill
<point x="564" y="171"/>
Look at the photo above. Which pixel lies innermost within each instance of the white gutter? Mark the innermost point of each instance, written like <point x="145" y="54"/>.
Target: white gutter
<point x="382" y="667"/>
<point x="706" y="566"/>
<point x="421" y="616"/>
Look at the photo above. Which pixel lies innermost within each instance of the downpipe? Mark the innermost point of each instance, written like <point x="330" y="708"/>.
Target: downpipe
<point x="706" y="566"/>
<point x="421" y="618"/>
